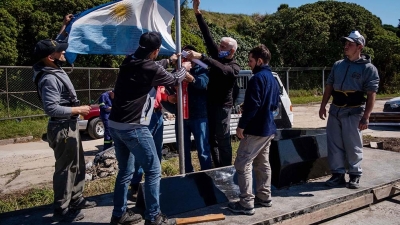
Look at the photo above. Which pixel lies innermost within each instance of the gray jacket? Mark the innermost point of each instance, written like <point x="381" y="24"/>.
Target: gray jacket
<point x="359" y="75"/>
<point x="56" y="97"/>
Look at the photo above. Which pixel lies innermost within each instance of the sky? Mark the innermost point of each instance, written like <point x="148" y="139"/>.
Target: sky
<point x="387" y="10"/>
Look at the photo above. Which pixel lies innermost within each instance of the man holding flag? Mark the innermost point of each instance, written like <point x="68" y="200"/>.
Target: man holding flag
<point x="132" y="109"/>
<point x="223" y="73"/>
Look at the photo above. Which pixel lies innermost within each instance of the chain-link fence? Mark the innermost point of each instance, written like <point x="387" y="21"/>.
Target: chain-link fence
<point x="18" y="96"/>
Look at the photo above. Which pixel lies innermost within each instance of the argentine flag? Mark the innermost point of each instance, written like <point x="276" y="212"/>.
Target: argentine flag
<point x="114" y="28"/>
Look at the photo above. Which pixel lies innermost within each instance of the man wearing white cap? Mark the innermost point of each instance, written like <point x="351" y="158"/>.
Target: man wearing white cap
<point x="350" y="79"/>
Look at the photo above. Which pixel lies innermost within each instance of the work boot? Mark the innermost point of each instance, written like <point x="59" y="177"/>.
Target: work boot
<point x="354" y="182"/>
<point x="82" y="203"/>
<point x="337" y="179"/>
<point x="259" y="201"/>
<point x="68" y="215"/>
<point x="134" y="191"/>
<point x="238" y="208"/>
<point x="128" y="218"/>
<point x="161" y="219"/>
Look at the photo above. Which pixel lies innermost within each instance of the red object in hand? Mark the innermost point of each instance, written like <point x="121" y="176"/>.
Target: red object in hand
<point x="185" y="100"/>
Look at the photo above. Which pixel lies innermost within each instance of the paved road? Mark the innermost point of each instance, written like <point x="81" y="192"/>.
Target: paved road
<point x="34" y="161"/>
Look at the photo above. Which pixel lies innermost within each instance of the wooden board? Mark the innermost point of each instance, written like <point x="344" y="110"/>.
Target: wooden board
<point x="330" y="211"/>
<point x="200" y="219"/>
<point x="385" y="191"/>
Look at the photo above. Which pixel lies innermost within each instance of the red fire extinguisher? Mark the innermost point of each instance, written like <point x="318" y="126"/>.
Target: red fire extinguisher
<point x="185" y="100"/>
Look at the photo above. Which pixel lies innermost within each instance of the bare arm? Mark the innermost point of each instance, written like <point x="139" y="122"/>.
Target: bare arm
<point x="371" y="95"/>
<point x="325" y="99"/>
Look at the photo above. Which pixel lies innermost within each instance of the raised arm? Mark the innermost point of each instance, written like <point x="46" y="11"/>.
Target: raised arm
<point x="62" y="34"/>
<point x="210" y="44"/>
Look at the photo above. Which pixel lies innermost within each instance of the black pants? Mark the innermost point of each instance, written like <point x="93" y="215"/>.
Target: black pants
<point x="219" y="118"/>
<point x="69" y="174"/>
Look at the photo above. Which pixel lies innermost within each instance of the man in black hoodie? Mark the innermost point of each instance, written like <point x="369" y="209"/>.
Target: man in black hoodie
<point x="223" y="74"/>
<point x="133" y="106"/>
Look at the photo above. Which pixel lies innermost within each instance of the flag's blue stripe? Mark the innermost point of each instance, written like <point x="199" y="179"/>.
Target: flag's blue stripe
<point x="84" y="13"/>
<point x="169" y="5"/>
<point x="114" y="40"/>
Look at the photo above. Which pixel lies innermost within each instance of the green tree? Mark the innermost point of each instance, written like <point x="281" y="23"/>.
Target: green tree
<point x="387" y="60"/>
<point x="8" y="36"/>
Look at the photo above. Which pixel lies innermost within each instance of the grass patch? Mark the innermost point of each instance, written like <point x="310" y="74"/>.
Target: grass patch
<point x="44" y="195"/>
<point x="314" y="96"/>
<point x="26" y="199"/>
<point x="35" y="127"/>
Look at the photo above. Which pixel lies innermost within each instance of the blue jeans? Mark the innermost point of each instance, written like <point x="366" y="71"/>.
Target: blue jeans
<point x="199" y="129"/>
<point x="136" y="146"/>
<point x="156" y="128"/>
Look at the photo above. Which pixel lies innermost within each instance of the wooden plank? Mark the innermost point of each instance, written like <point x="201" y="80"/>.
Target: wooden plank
<point x="330" y="211"/>
<point x="200" y="219"/>
<point x="382" y="192"/>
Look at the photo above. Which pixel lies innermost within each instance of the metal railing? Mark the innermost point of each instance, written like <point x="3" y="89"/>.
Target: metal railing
<point x="18" y="96"/>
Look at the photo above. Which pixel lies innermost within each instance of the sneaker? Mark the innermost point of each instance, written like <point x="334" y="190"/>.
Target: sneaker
<point x="337" y="179"/>
<point x="134" y="191"/>
<point x="83" y="203"/>
<point x="128" y="218"/>
<point x="259" y="201"/>
<point x="354" y="182"/>
<point x="161" y="219"/>
<point x="238" y="208"/>
<point x="69" y="215"/>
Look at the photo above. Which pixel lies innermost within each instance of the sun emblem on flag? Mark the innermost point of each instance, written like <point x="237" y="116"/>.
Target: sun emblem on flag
<point x="121" y="12"/>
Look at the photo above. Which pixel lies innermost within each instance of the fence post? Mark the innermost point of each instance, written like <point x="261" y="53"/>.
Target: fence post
<point x="323" y="80"/>
<point x="90" y="99"/>
<point x="287" y="80"/>
<point x="8" y="98"/>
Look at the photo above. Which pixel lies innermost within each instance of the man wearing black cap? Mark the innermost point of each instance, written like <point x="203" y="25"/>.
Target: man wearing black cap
<point x="350" y="79"/>
<point x="224" y="71"/>
<point x="60" y="103"/>
<point x="134" y="97"/>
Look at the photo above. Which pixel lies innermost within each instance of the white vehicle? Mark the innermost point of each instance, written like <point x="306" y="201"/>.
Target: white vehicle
<point x="283" y="115"/>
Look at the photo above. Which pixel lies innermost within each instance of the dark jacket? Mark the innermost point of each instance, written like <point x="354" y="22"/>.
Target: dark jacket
<point x="223" y="72"/>
<point x="261" y="99"/>
<point x="197" y="92"/>
<point x="135" y="90"/>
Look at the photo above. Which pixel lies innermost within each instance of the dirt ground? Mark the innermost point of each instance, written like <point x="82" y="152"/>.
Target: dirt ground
<point x="389" y="144"/>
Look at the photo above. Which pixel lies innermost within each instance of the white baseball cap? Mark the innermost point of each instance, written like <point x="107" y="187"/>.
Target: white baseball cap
<point x="356" y="37"/>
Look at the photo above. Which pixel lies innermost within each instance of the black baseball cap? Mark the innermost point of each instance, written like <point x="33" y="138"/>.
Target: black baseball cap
<point x="47" y="47"/>
<point x="148" y="42"/>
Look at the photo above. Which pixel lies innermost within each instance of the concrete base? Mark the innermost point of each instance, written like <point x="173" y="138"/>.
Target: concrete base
<point x="380" y="169"/>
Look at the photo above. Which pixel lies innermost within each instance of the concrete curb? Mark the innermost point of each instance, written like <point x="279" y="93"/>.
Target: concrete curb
<point x="16" y="140"/>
